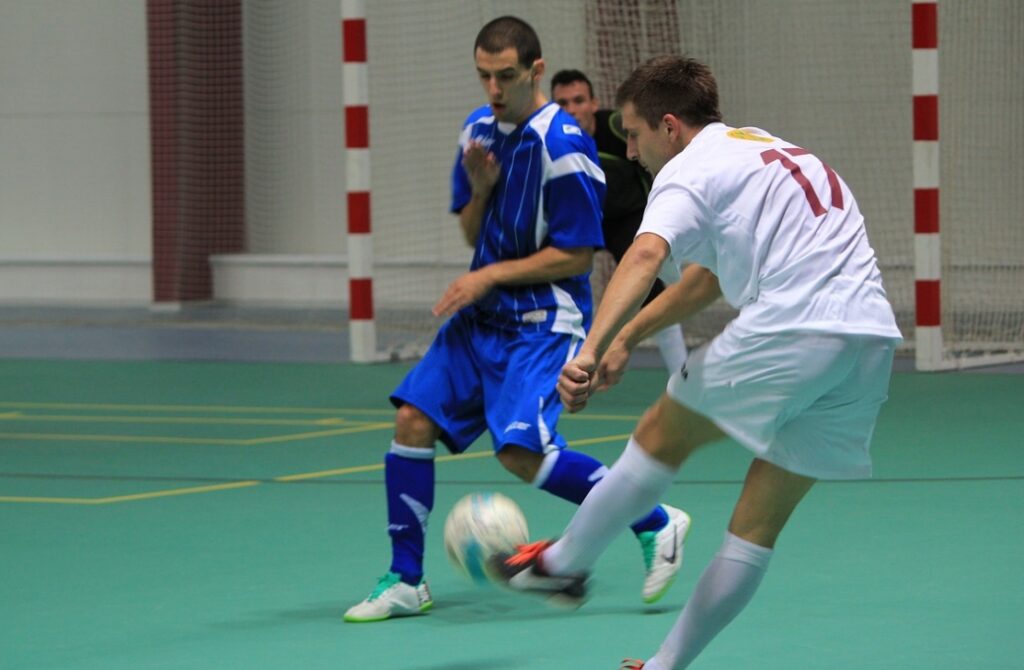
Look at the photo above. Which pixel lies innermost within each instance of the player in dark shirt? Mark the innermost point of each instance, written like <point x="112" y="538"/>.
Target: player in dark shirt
<point x="628" y="184"/>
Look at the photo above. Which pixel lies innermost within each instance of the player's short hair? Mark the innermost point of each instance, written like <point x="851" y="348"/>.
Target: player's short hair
<point x="509" y="32"/>
<point x="675" y="85"/>
<point x="566" y="77"/>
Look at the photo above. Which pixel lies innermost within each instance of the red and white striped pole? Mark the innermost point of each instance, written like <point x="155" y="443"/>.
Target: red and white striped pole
<point x="927" y="249"/>
<point x="355" y="87"/>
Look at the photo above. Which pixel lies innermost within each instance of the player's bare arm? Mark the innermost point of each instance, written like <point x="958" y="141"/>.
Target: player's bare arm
<point x="696" y="289"/>
<point x="483" y="171"/>
<point x="547" y="265"/>
<point x="626" y="291"/>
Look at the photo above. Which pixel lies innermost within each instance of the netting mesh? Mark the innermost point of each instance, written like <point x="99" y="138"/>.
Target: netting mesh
<point x="293" y="134"/>
<point x="197" y="131"/>
<point x="833" y="77"/>
<point x="981" y="58"/>
<point x="837" y="79"/>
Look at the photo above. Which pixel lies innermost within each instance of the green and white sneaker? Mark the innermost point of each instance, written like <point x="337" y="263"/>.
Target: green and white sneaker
<point x="391" y="598"/>
<point x="663" y="553"/>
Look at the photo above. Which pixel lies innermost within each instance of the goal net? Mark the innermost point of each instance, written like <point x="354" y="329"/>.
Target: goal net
<point x="838" y="80"/>
<point x="832" y="77"/>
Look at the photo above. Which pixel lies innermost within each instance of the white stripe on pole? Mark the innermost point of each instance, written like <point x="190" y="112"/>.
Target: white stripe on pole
<point x="926" y="164"/>
<point x="925" y="69"/>
<point x="360" y="256"/>
<point x="354" y="85"/>
<point x="927" y="256"/>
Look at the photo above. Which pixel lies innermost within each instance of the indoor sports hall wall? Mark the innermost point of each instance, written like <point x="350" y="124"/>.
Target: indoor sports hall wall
<point x="75" y="205"/>
<point x="835" y="77"/>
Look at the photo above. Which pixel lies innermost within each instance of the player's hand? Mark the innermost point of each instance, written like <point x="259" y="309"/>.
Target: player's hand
<point x="576" y="382"/>
<point x="613" y="365"/>
<point x="481" y="167"/>
<point x="465" y="290"/>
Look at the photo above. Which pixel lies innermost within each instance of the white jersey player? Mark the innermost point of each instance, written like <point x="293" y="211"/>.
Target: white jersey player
<point x="797" y="378"/>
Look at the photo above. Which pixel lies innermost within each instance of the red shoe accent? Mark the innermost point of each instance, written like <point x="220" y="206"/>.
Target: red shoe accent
<point x="528" y="553"/>
<point x="631" y="664"/>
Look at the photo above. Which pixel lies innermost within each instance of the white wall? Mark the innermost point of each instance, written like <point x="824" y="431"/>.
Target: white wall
<point x="74" y="149"/>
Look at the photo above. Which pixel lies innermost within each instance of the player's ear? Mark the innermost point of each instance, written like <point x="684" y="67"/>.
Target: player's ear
<point x="672" y="125"/>
<point x="537" y="71"/>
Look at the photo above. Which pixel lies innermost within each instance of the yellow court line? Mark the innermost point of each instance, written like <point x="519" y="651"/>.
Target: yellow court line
<point x="52" y="501"/>
<point x="135" y="496"/>
<point x="322" y="433"/>
<point x="176" y="492"/>
<point x="205" y="421"/>
<point x="372" y="468"/>
<point x="329" y="473"/>
<point x="440" y="459"/>
<point x="219" y="441"/>
<point x="285" y="478"/>
<point x="242" y="409"/>
<point x="79" y="437"/>
<point x="600" y="440"/>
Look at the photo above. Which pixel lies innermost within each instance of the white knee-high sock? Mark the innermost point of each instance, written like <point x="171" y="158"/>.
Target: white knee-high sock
<point x="672" y="347"/>
<point x="631" y="488"/>
<point x="725" y="588"/>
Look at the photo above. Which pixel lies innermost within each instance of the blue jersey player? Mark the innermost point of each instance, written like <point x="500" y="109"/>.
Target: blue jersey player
<point x="528" y="191"/>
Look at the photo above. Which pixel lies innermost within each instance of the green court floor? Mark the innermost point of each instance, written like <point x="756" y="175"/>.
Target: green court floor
<point x="223" y="515"/>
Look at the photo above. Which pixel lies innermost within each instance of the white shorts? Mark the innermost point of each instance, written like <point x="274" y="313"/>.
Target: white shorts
<point x="806" y="402"/>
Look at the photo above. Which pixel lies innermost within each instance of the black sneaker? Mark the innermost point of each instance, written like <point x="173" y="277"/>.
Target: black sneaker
<point x="523" y="571"/>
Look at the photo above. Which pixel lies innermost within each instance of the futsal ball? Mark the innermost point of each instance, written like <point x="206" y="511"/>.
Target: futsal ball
<point x="479" y="526"/>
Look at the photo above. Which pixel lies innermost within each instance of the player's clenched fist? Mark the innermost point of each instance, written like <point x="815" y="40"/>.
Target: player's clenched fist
<point x="576" y="382"/>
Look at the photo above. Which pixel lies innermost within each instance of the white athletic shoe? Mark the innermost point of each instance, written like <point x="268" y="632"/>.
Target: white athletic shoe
<point x="663" y="553"/>
<point x="391" y="598"/>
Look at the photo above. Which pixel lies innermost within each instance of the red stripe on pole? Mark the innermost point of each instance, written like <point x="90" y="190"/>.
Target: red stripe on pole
<point x="926" y="210"/>
<point x="357" y="127"/>
<point x="926" y="25"/>
<point x="926" y="117"/>
<point x="928" y="302"/>
<point x="359" y="212"/>
<point x="353" y="40"/>
<point x="360" y="299"/>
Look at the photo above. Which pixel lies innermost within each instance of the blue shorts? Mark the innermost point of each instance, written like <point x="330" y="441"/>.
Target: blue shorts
<point x="476" y="377"/>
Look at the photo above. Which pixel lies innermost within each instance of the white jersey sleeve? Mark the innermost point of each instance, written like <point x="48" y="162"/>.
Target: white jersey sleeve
<point x="674" y="213"/>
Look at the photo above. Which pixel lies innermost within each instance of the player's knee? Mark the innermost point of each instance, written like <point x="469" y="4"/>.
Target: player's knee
<point x="670" y="433"/>
<point x="521" y="462"/>
<point x="770" y="495"/>
<point x="413" y="428"/>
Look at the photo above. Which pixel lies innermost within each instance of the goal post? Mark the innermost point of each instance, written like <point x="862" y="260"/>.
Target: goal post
<point x="969" y="311"/>
<point x="355" y="91"/>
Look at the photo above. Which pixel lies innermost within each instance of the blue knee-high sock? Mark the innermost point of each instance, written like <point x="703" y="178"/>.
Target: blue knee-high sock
<point x="409" y="479"/>
<point x="571" y="474"/>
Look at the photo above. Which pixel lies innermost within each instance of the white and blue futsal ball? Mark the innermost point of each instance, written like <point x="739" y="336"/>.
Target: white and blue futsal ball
<point x="479" y="526"/>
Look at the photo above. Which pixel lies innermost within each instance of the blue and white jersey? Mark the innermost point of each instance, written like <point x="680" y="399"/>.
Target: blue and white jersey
<point x="549" y="193"/>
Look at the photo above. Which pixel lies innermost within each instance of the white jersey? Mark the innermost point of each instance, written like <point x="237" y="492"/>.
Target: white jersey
<point x="779" y="229"/>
